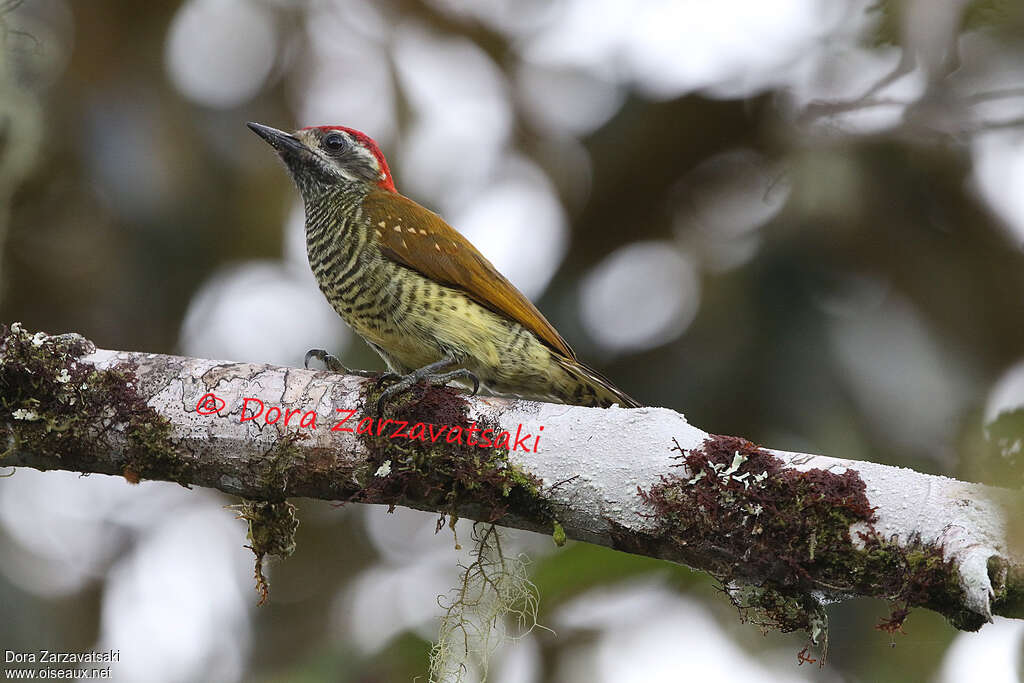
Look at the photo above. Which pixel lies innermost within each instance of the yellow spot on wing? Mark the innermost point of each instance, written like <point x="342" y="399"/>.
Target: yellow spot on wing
<point x="398" y="228"/>
<point x="437" y="246"/>
<point x="381" y="224"/>
<point x="379" y="233"/>
<point x="412" y="230"/>
<point x="404" y="245"/>
<point x="423" y="232"/>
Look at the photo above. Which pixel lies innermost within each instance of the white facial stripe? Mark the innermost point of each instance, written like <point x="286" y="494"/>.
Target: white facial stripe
<point x="362" y="151"/>
<point x="357" y="148"/>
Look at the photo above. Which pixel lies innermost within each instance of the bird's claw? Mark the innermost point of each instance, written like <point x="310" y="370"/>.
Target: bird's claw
<point x="461" y="373"/>
<point x="335" y="365"/>
<point x="406" y="382"/>
<point x="386" y="377"/>
<point x="319" y="354"/>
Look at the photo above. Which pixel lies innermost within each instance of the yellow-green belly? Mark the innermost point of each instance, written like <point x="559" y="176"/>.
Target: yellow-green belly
<point x="412" y="321"/>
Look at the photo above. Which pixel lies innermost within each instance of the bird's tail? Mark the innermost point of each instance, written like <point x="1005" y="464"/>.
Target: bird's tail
<point x="588" y="387"/>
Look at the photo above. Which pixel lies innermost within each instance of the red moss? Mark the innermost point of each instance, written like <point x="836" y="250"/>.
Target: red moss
<point x="787" y="532"/>
<point x="444" y="475"/>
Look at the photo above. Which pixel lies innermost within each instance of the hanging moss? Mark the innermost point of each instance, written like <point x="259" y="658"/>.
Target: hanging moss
<point x="272" y="527"/>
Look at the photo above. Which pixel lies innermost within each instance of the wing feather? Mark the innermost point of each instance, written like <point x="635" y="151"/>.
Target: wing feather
<point x="420" y="239"/>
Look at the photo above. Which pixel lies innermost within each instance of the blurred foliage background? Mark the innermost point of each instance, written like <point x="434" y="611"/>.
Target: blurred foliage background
<point x="800" y="221"/>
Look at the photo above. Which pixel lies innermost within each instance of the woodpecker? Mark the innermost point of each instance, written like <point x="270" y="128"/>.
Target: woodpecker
<point x="416" y="290"/>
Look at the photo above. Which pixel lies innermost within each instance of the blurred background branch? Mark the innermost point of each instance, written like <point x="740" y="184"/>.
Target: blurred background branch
<point x="21" y="116"/>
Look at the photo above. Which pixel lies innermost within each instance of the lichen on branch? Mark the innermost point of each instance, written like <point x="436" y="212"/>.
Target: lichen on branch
<point x="60" y="408"/>
<point x="781" y="537"/>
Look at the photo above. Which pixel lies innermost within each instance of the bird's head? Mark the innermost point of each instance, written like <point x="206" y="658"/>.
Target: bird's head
<point x="323" y="157"/>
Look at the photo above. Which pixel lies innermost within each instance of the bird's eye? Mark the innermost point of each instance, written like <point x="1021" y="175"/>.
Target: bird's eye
<point x="334" y="142"/>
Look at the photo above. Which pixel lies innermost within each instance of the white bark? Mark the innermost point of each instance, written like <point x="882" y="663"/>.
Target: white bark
<point x="593" y="463"/>
<point x="615" y="451"/>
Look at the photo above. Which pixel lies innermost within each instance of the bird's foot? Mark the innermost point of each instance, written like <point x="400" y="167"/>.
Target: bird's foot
<point x="428" y="375"/>
<point x="335" y="365"/>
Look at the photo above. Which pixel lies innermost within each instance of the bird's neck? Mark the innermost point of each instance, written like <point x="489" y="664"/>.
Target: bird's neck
<point x="335" y="213"/>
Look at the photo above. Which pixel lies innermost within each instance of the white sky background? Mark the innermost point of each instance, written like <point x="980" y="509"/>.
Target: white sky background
<point x="578" y="59"/>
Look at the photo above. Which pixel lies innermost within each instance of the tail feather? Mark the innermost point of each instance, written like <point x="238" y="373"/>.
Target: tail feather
<point x="591" y="388"/>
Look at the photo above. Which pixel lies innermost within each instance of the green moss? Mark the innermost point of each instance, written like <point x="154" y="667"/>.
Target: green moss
<point x="272" y="527"/>
<point x="273" y="522"/>
<point x="787" y="533"/>
<point x="767" y="606"/>
<point x="440" y="473"/>
<point x="56" y="407"/>
<point x="1008" y="585"/>
<point x="278" y="463"/>
<point x="558" y="535"/>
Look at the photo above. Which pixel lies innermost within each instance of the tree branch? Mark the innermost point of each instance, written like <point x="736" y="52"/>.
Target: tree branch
<point x="785" y="532"/>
